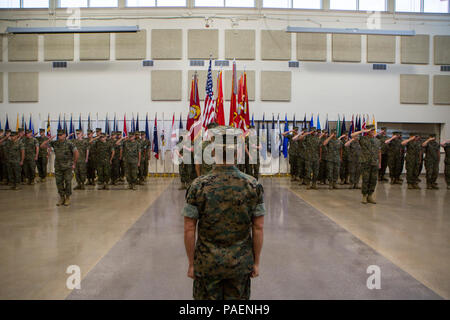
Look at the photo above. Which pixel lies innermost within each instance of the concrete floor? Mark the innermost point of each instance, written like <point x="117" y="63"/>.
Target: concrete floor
<point x="318" y="244"/>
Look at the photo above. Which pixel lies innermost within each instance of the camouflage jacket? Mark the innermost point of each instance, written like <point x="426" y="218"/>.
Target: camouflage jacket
<point x="384" y="146"/>
<point x="63" y="153"/>
<point x="145" y="147"/>
<point x="370" y="148"/>
<point x="13" y="150"/>
<point x="205" y="167"/>
<point x="413" y="151"/>
<point x="82" y="147"/>
<point x="104" y="151"/>
<point x="395" y="148"/>
<point x="354" y="151"/>
<point x="43" y="151"/>
<point x="294" y="145"/>
<point x="312" y="147"/>
<point x="30" y="145"/>
<point x="224" y="203"/>
<point x="447" y="152"/>
<point x="324" y="148"/>
<point x="431" y="151"/>
<point x="334" y="150"/>
<point x="130" y="151"/>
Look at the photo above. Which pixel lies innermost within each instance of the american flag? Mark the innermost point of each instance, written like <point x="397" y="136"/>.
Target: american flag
<point x="209" y="113"/>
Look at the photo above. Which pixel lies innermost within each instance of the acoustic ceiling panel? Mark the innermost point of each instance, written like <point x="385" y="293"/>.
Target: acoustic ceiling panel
<point x="201" y="83"/>
<point x="380" y="49"/>
<point x="203" y="43"/>
<point x="166" y="85"/>
<point x="346" y="47"/>
<point x="228" y="75"/>
<point x="23" y="47"/>
<point x="275" y="85"/>
<point x="23" y="86"/>
<point x="414" y="88"/>
<point x="240" y="44"/>
<point x="58" y="47"/>
<point x="415" y="49"/>
<point x="275" y="45"/>
<point x="441" y="89"/>
<point x="131" y="46"/>
<point x="94" y="46"/>
<point x="311" y="46"/>
<point x="442" y="50"/>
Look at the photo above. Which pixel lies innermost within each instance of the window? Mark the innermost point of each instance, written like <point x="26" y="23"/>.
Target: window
<point x="141" y="3"/>
<point x="103" y="3"/>
<point x="407" y="5"/>
<point x="35" y="4"/>
<point x="343" y="4"/>
<point x="73" y="3"/>
<point x="225" y="3"/>
<point x="171" y="3"/>
<point x="307" y="4"/>
<point x="435" y="6"/>
<point x="276" y="3"/>
<point x="372" y="5"/>
<point x="9" y="4"/>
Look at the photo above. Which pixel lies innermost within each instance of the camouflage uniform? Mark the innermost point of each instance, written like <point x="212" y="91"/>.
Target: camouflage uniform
<point x="447" y="164"/>
<point x="301" y="160"/>
<point x="293" y="153"/>
<point x="254" y="167"/>
<point x="323" y="162"/>
<point x="130" y="152"/>
<point x="82" y="146"/>
<point x="312" y="152"/>
<point x="224" y="202"/>
<point x="384" y="156"/>
<point x="90" y="166"/>
<point x="354" y="165"/>
<point x="42" y="160"/>
<point x="115" y="166"/>
<point x="13" y="154"/>
<point x="104" y="151"/>
<point x="146" y="147"/>
<point x="395" y="159"/>
<point x="64" y="151"/>
<point x="3" y="170"/>
<point x="29" y="163"/>
<point x="412" y="162"/>
<point x="204" y="167"/>
<point x="333" y="160"/>
<point x="343" y="170"/>
<point x="432" y="150"/>
<point x="370" y="148"/>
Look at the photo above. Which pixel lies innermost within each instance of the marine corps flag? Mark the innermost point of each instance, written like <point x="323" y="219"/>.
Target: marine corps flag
<point x="234" y="92"/>
<point x="220" y="114"/>
<point x="194" y="123"/>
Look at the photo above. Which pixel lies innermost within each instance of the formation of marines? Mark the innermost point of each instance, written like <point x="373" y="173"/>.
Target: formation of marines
<point x="316" y="157"/>
<point x="94" y="159"/>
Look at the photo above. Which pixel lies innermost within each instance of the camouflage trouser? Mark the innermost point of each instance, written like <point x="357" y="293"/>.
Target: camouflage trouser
<point x="90" y="169"/>
<point x="412" y="171"/>
<point x="332" y="171"/>
<point x="7" y="175"/>
<point x="322" y="171"/>
<point x="226" y="289"/>
<point x="131" y="172"/>
<point x="2" y="171"/>
<point x="301" y="167"/>
<point x="80" y="171"/>
<point x="343" y="170"/>
<point x="103" y="172"/>
<point x="394" y="164"/>
<point x="146" y="168"/>
<point x="184" y="174"/>
<point x="369" y="178"/>
<point x="115" y="170"/>
<point x="254" y="170"/>
<point x="354" y="170"/>
<point x="312" y="170"/>
<point x="447" y="173"/>
<point x="384" y="164"/>
<point x="29" y="167"/>
<point x="14" y="172"/>
<point x="142" y="170"/>
<point x="41" y="164"/>
<point x="63" y="179"/>
<point x="122" y="169"/>
<point x="432" y="168"/>
<point x="293" y="162"/>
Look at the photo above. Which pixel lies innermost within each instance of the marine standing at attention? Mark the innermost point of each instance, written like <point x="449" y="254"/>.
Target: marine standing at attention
<point x="226" y="209"/>
<point x="370" y="162"/>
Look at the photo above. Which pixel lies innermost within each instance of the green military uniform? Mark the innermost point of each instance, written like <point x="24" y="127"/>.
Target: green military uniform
<point x="29" y="163"/>
<point x="413" y="152"/>
<point x="312" y="154"/>
<point x="146" y="148"/>
<point x="293" y="153"/>
<point x="254" y="167"/>
<point x="323" y="161"/>
<point x="224" y="203"/>
<point x="334" y="147"/>
<point x="115" y="166"/>
<point x="13" y="150"/>
<point x="3" y="173"/>
<point x="130" y="154"/>
<point x="432" y="151"/>
<point x="104" y="152"/>
<point x="395" y="159"/>
<point x="82" y="146"/>
<point x="301" y="160"/>
<point x="5" y="163"/>
<point x="384" y="155"/>
<point x="64" y="151"/>
<point x="447" y="164"/>
<point x="343" y="169"/>
<point x="370" y="148"/>
<point x="42" y="160"/>
<point x="184" y="168"/>
<point x="354" y="165"/>
<point x="205" y="168"/>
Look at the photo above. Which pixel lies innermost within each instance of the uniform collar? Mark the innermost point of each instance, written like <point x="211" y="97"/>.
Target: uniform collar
<point x="221" y="168"/>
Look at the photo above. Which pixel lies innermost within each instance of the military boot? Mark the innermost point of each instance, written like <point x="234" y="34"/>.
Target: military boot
<point x="370" y="199"/>
<point x="429" y="186"/>
<point x="67" y="201"/>
<point x="78" y="187"/>
<point x="410" y="186"/>
<point x="434" y="186"/>
<point x="133" y="187"/>
<point x="61" y="201"/>
<point x="314" y="186"/>
<point x="309" y="187"/>
<point x="106" y="187"/>
<point x="335" y="186"/>
<point x="330" y="185"/>
<point x="392" y="180"/>
<point x="82" y="186"/>
<point x="364" y="199"/>
<point x="416" y="186"/>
